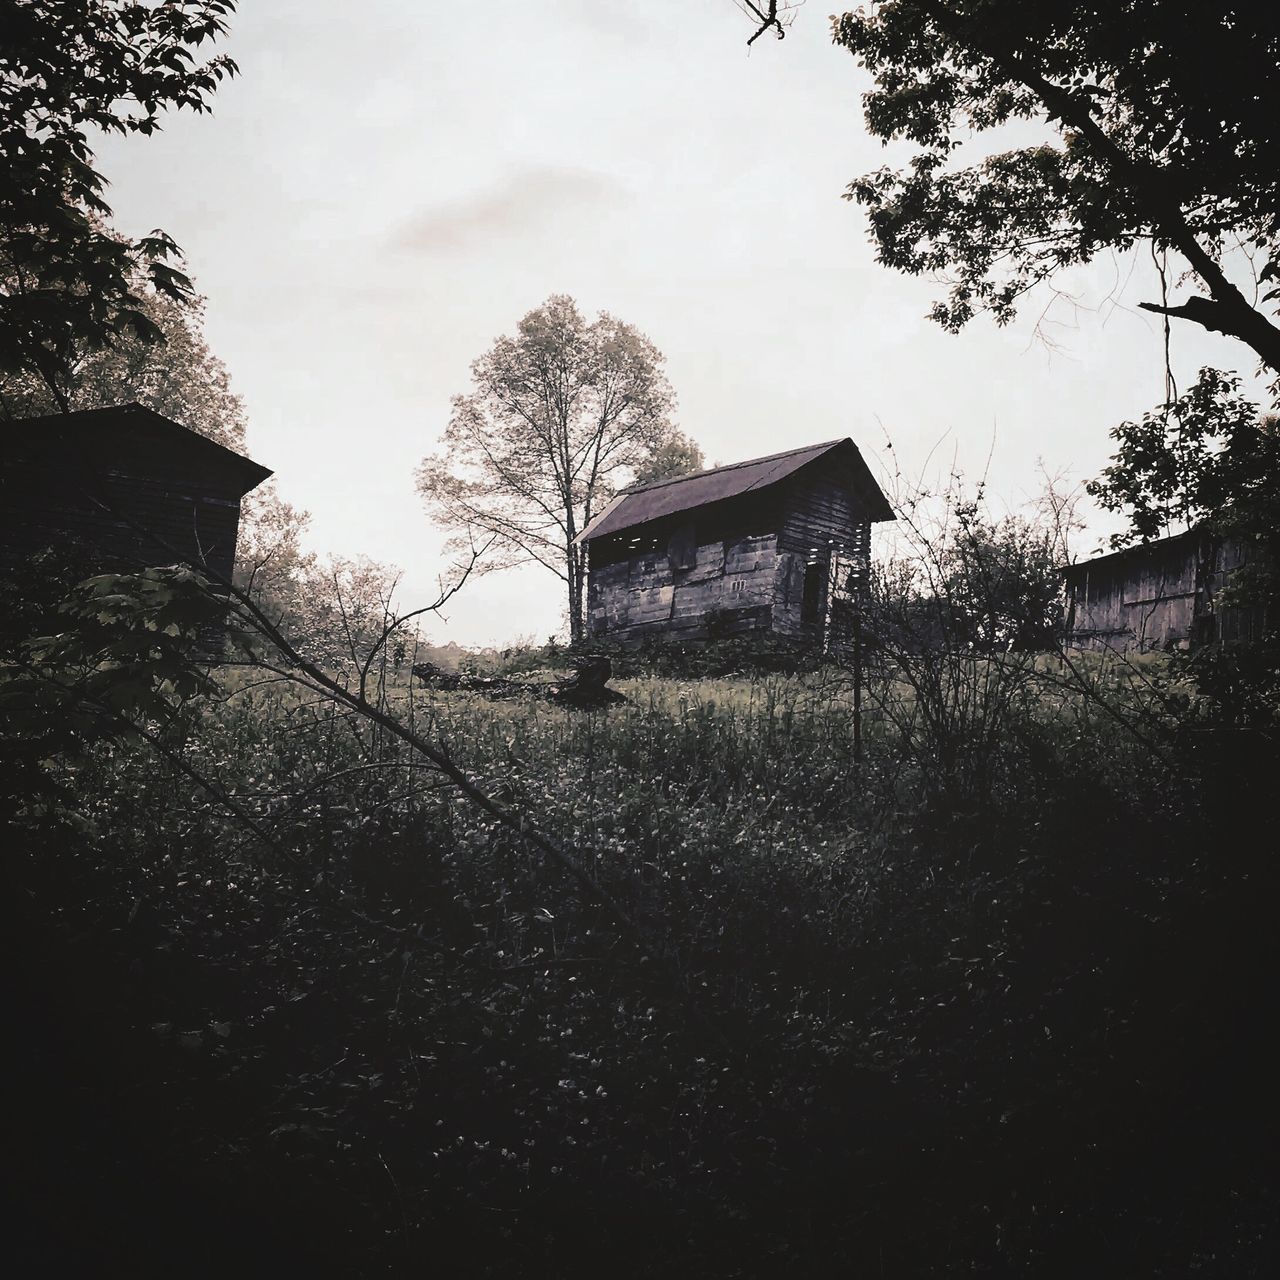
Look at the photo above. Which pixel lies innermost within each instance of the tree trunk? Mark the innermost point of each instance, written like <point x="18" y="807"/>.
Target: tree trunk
<point x="577" y="621"/>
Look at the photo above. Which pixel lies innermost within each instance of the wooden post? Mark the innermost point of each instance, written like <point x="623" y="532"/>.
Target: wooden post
<point x="857" y="676"/>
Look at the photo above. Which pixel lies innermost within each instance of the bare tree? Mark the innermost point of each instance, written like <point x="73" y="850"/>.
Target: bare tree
<point x="561" y="416"/>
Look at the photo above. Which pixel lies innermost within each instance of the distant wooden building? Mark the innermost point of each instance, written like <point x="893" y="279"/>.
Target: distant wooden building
<point x="775" y="545"/>
<point x="1159" y="595"/>
<point x="123" y="487"/>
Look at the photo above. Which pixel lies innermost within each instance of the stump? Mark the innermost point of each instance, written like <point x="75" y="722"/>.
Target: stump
<point x="587" y="688"/>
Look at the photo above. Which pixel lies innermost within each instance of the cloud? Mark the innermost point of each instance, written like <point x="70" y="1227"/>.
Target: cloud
<point x="527" y="201"/>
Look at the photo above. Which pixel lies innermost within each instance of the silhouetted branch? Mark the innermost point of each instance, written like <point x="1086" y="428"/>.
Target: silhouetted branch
<point x="1202" y="311"/>
<point x="767" y="19"/>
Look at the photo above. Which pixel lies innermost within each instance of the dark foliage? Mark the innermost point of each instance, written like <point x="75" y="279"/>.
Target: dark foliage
<point x="1207" y="459"/>
<point x="1157" y="124"/>
<point x="69" y="68"/>
<point x="1006" y="1026"/>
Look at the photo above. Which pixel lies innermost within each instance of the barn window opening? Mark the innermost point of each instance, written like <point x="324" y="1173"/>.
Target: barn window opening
<point x="682" y="547"/>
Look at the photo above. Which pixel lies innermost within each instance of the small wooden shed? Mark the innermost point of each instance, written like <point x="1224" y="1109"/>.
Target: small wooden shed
<point x="124" y="486"/>
<point x="1159" y="595"/>
<point x="777" y="545"/>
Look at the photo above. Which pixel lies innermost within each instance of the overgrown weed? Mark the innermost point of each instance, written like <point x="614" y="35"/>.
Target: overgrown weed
<point x="922" y="977"/>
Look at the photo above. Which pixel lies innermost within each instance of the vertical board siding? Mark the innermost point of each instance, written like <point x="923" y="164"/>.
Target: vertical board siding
<point x="1158" y="596"/>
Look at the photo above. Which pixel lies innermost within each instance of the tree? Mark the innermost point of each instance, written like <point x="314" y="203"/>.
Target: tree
<point x="1207" y="460"/>
<point x="1159" y="125"/>
<point x="678" y="456"/>
<point x="968" y="581"/>
<point x="68" y="68"/>
<point x="561" y="416"/>
<point x="178" y="375"/>
<point x="1001" y="579"/>
<point x="330" y="608"/>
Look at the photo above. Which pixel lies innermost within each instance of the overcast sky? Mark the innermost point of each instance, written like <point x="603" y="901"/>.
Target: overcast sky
<point x="390" y="185"/>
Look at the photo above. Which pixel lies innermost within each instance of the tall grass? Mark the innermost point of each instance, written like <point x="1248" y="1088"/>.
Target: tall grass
<point x="910" y="1013"/>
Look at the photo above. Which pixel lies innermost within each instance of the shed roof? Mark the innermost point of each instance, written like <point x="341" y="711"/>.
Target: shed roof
<point x="643" y="503"/>
<point x="1140" y="550"/>
<point x="87" y="428"/>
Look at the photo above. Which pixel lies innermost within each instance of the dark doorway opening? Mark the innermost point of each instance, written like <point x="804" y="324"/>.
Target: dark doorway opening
<point x="815" y="581"/>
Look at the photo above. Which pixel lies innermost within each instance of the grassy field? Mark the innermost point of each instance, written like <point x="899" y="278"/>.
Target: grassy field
<point x="987" y="1001"/>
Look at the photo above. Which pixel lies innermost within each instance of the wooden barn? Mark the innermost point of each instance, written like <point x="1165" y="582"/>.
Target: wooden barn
<point x="776" y="545"/>
<point x="1159" y="595"/>
<point x="122" y="488"/>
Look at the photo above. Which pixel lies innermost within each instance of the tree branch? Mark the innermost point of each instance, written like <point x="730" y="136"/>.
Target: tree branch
<point x="1147" y="182"/>
<point x="767" y="20"/>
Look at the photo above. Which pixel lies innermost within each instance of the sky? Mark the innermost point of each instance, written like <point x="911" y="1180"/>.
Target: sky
<point x="388" y="186"/>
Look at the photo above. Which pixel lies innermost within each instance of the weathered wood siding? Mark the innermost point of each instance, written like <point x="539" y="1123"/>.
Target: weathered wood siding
<point x="1232" y="624"/>
<point x="746" y="574"/>
<point x="728" y="590"/>
<point x="822" y="519"/>
<point x="1157" y="596"/>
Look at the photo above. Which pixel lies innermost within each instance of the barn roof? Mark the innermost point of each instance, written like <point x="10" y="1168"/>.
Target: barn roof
<point x="90" y="428"/>
<point x="1140" y="550"/>
<point x="642" y="503"/>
